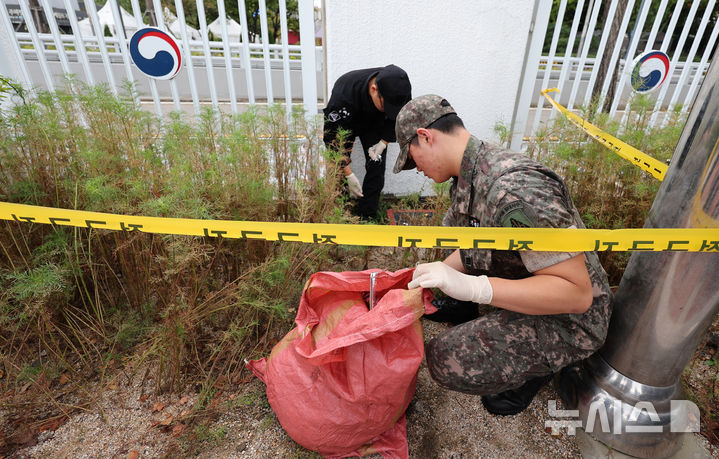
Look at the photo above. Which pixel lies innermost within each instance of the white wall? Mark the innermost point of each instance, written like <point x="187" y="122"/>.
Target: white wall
<point x="469" y="51"/>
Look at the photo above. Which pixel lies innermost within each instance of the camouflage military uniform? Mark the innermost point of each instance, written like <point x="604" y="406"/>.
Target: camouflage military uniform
<point x="503" y="349"/>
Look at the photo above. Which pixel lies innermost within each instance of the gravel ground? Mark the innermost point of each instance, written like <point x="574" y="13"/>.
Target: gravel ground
<point x="440" y="424"/>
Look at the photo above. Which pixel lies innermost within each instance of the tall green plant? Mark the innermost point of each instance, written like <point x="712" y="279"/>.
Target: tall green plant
<point x="609" y="191"/>
<point x="193" y="308"/>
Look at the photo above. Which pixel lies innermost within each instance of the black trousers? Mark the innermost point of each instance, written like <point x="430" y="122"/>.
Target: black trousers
<point x="373" y="179"/>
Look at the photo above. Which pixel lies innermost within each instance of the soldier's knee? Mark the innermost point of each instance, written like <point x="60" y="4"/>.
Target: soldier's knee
<point x="448" y="371"/>
<point x="443" y="367"/>
<point x="436" y="363"/>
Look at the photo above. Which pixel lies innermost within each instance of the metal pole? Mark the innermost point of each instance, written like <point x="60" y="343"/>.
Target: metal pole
<point x="665" y="303"/>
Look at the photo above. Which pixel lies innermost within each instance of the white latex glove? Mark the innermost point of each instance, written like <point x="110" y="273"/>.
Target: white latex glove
<point x="354" y="186"/>
<point x="453" y="283"/>
<point x="375" y="151"/>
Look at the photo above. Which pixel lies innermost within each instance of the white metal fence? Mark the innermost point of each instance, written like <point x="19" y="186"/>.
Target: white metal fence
<point x="213" y="72"/>
<point x="571" y="41"/>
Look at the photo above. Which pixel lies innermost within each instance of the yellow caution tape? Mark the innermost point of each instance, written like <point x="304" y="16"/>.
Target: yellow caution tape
<point x="539" y="239"/>
<point x="626" y="151"/>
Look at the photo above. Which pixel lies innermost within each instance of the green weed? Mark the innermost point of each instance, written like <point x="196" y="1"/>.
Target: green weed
<point x="194" y="308"/>
<point x="609" y="191"/>
<point x="214" y="435"/>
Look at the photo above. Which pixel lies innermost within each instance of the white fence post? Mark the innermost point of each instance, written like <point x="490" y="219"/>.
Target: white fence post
<point x="80" y="50"/>
<point x="208" y="54"/>
<point x="309" y="69"/>
<point x="11" y="47"/>
<point x="188" y="55"/>
<point x="616" y="53"/>
<point x="246" y="52"/>
<point x="675" y="59"/>
<point x="600" y="53"/>
<point x="228" y="55"/>
<point x="124" y="48"/>
<point x="537" y="32"/>
<point x="160" y="20"/>
<point x="100" y="36"/>
<point x="550" y="63"/>
<point x="56" y="36"/>
<point x="286" y="57"/>
<point x="698" y="76"/>
<point x="584" y="51"/>
<point x="638" y="27"/>
<point x="567" y="61"/>
<point x="266" y="52"/>
<point x="39" y="47"/>
<point x="136" y="13"/>
<point x="690" y="59"/>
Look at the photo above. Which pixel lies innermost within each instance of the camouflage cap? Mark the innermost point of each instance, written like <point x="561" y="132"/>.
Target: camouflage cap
<point x="420" y="112"/>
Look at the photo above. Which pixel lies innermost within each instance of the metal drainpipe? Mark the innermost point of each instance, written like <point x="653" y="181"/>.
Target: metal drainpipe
<point x="665" y="303"/>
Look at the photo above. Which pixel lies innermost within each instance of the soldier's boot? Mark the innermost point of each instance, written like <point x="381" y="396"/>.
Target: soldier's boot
<point x="454" y="311"/>
<point x="514" y="401"/>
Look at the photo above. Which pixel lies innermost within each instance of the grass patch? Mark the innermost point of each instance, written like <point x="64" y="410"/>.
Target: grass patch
<point x="194" y="308"/>
<point x="608" y="191"/>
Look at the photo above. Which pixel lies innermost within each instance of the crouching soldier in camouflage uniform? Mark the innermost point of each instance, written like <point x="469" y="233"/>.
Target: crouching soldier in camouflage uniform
<point x="553" y="308"/>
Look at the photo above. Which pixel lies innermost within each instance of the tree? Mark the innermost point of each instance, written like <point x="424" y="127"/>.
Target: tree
<point x="253" y="16"/>
<point x="273" y="19"/>
<point x="604" y="65"/>
<point x="231" y="8"/>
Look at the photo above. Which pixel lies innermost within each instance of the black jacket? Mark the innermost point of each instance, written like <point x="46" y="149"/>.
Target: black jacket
<point x="351" y="108"/>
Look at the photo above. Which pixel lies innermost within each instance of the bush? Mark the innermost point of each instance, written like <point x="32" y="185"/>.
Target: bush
<point x="195" y="307"/>
<point x="609" y="191"/>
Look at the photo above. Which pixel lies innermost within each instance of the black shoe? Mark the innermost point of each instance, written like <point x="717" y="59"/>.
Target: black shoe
<point x="454" y="311"/>
<point x="514" y="401"/>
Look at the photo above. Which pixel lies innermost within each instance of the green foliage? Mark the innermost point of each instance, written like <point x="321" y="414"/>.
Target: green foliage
<point x="5" y="87"/>
<point x="40" y="282"/>
<point x="653" y="10"/>
<point x="231" y="8"/>
<point x="205" y="433"/>
<point x="501" y="130"/>
<point x="194" y="308"/>
<point x="609" y="191"/>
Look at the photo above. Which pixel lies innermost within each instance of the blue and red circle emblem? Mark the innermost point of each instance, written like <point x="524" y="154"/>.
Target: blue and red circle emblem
<point x="155" y="53"/>
<point x="649" y="71"/>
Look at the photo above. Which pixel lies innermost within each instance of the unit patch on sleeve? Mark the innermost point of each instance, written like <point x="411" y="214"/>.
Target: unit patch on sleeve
<point x="517" y="214"/>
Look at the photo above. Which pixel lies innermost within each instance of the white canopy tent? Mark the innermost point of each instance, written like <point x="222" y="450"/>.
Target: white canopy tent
<point x="106" y="18"/>
<point x="233" y="29"/>
<point x="174" y="26"/>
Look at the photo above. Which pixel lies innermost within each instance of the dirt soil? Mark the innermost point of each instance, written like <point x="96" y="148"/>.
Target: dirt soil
<point x="440" y="424"/>
<point x="130" y="421"/>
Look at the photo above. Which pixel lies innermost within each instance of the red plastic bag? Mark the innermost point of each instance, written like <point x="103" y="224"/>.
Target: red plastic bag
<point x="341" y="380"/>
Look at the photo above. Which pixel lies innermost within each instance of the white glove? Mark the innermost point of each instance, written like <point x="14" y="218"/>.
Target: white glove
<point x="354" y="186"/>
<point x="375" y="151"/>
<point x="453" y="283"/>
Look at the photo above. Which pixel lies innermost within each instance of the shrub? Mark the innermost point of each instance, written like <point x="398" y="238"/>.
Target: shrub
<point x="194" y="307"/>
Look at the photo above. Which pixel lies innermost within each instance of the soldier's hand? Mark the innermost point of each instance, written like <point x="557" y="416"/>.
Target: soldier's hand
<point x="354" y="186"/>
<point x="453" y="283"/>
<point x="375" y="151"/>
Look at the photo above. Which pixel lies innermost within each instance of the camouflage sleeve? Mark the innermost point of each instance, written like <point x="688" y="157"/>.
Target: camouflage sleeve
<point x="530" y="199"/>
<point x="450" y="217"/>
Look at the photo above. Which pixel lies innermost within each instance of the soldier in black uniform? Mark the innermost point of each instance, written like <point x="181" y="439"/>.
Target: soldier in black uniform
<point x="365" y="103"/>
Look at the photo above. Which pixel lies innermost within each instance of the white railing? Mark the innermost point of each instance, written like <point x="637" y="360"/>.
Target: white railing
<point x="196" y="50"/>
<point x="213" y="71"/>
<point x="574" y="65"/>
